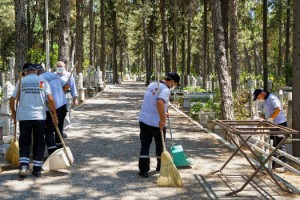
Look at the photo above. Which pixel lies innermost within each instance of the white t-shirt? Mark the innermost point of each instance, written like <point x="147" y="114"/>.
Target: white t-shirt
<point x="149" y="113"/>
<point x="270" y="104"/>
<point x="34" y="91"/>
<point x="56" y="85"/>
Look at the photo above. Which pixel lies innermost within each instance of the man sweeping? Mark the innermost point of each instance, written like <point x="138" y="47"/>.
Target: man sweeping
<point x="152" y="119"/>
<point x="31" y="114"/>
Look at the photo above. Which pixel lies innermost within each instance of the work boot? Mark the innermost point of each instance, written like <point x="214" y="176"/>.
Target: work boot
<point x="37" y="174"/>
<point x="23" y="171"/>
<point x="144" y="174"/>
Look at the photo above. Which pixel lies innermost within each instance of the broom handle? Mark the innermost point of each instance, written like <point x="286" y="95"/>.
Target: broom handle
<point x="163" y="140"/>
<point x="170" y="131"/>
<point x="17" y="102"/>
<point x="60" y="137"/>
<point x="72" y="72"/>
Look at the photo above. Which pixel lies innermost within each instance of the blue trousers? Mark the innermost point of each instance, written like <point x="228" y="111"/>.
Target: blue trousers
<point x="146" y="134"/>
<point x="32" y="129"/>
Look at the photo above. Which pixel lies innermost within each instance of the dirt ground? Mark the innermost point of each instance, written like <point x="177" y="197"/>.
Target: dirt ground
<point x="104" y="140"/>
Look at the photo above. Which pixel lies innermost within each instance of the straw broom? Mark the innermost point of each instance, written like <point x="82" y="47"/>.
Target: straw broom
<point x="169" y="175"/>
<point x="12" y="155"/>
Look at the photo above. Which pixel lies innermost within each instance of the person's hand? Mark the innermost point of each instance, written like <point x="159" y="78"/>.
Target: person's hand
<point x="13" y="116"/>
<point x="270" y="120"/>
<point x="162" y="124"/>
<point x="55" y="120"/>
<point x="167" y="114"/>
<point x="75" y="102"/>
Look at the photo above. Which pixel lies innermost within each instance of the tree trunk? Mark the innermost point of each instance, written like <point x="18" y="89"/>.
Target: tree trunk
<point x="296" y="74"/>
<point x="265" y="44"/>
<point x="183" y="48"/>
<point x="234" y="55"/>
<point x="115" y="43"/>
<point x="103" y="41"/>
<point x="21" y="36"/>
<point x="188" y="61"/>
<point x="221" y="62"/>
<point x="79" y="35"/>
<point x="64" y="31"/>
<point x="164" y="26"/>
<point x="205" y="43"/>
<point x="224" y="11"/>
<point x="91" y="20"/>
<point x="30" y="24"/>
<point x="146" y="55"/>
<point x="247" y="59"/>
<point x="174" y="49"/>
<point x="279" y="69"/>
<point x="287" y="45"/>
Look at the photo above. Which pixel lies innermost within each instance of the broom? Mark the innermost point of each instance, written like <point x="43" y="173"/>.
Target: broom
<point x="12" y="155"/>
<point x="169" y="175"/>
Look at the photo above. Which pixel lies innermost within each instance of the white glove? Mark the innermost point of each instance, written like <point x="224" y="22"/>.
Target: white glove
<point x="270" y="119"/>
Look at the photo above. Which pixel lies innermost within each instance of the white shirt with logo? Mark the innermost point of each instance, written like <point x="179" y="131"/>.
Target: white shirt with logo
<point x="33" y="94"/>
<point x="149" y="113"/>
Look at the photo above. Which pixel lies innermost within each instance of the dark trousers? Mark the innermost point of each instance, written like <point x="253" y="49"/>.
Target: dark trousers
<point x="52" y="140"/>
<point x="32" y="129"/>
<point x="276" y="140"/>
<point x="146" y="135"/>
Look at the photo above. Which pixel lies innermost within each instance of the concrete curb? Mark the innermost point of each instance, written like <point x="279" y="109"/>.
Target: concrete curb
<point x="283" y="181"/>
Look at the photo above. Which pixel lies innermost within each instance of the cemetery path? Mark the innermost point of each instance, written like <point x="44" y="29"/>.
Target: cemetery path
<point x="104" y="140"/>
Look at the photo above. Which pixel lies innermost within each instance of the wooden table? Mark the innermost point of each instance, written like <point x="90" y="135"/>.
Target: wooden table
<point x="249" y="128"/>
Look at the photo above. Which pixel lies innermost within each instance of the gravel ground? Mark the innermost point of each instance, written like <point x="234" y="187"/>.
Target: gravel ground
<point x="104" y="140"/>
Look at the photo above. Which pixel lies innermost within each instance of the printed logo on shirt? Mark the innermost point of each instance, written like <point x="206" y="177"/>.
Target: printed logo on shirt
<point x="32" y="87"/>
<point x="41" y="84"/>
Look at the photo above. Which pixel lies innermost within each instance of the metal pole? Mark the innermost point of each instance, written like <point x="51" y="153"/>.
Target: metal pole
<point x="47" y="37"/>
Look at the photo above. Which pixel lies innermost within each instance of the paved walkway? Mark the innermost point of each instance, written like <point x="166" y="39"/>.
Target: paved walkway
<point x="104" y="140"/>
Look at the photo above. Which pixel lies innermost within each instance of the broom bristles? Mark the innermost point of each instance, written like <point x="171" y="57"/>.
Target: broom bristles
<point x="12" y="155"/>
<point x="169" y="175"/>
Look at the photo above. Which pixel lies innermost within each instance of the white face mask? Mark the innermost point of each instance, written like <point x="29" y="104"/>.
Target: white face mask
<point x="60" y="70"/>
<point x="260" y="100"/>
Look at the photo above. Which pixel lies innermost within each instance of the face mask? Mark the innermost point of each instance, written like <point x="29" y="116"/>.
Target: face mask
<point x="261" y="100"/>
<point x="60" y="70"/>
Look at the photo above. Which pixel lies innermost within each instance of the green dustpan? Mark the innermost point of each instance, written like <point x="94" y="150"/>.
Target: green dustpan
<point x="177" y="152"/>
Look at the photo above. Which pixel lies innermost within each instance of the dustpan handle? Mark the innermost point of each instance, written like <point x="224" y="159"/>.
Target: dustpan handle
<point x="170" y="131"/>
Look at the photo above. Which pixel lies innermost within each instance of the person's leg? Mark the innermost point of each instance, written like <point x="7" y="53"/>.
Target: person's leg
<point x="68" y="116"/>
<point x="38" y="146"/>
<point x="61" y="113"/>
<point x="49" y="134"/>
<point x="159" y="146"/>
<point x="146" y="139"/>
<point x="24" y="146"/>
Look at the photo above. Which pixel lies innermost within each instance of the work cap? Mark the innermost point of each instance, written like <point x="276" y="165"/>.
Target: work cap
<point x="256" y="93"/>
<point x="174" y="76"/>
<point x="28" y="66"/>
<point x="38" y="66"/>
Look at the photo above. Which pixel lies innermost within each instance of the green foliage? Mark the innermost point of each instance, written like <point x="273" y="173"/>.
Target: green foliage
<point x="241" y="104"/>
<point x="37" y="55"/>
<point x="193" y="89"/>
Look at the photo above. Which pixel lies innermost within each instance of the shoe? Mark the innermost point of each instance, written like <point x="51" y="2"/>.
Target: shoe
<point x="23" y="171"/>
<point x="144" y="174"/>
<point x="37" y="174"/>
<point x="64" y="135"/>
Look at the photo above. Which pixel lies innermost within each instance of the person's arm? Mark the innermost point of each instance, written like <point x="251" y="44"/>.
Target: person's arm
<point x="161" y="112"/>
<point x="52" y="109"/>
<point x="275" y="113"/>
<point x="12" y="101"/>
